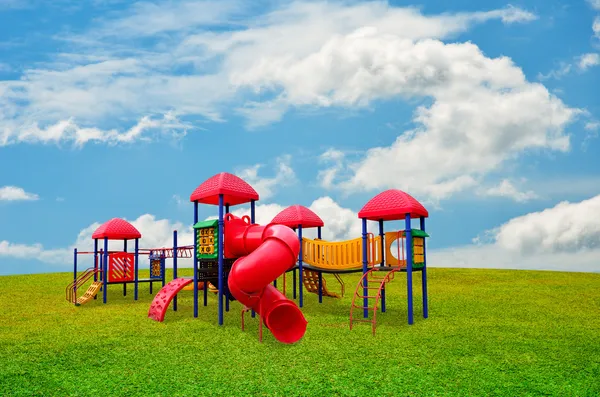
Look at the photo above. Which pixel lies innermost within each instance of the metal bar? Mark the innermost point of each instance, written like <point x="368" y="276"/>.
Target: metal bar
<point x="75" y="274"/>
<point x="408" y="237"/>
<point x="365" y="253"/>
<point x="105" y="270"/>
<point x="424" y="274"/>
<point x="220" y="256"/>
<point x="174" y="267"/>
<point x="300" y="275"/>
<point x="195" y="260"/>
<point x="136" y="264"/>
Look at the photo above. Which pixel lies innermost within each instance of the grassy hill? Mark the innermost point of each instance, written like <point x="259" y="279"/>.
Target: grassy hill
<point x="490" y="332"/>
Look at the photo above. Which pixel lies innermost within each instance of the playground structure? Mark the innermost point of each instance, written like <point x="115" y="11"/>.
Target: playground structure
<point x="120" y="267"/>
<point x="240" y="260"/>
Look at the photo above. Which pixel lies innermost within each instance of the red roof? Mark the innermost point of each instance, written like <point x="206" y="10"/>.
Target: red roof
<point x="117" y="229"/>
<point x="392" y="205"/>
<point x="298" y="215"/>
<point x="233" y="188"/>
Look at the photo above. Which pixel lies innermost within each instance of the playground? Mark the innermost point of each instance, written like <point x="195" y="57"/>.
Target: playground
<point x="240" y="260"/>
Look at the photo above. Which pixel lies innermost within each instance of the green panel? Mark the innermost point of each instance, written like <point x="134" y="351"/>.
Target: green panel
<point x="206" y="224"/>
<point x="419" y="233"/>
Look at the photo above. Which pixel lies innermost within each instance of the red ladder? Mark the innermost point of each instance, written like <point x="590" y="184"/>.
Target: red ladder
<point x="380" y="282"/>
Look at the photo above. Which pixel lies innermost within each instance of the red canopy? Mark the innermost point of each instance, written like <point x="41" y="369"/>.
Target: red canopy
<point x="233" y="188"/>
<point x="117" y="229"/>
<point x="296" y="215"/>
<point x="392" y="205"/>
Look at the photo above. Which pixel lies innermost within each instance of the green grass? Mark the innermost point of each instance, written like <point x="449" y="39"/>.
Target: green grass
<point x="490" y="332"/>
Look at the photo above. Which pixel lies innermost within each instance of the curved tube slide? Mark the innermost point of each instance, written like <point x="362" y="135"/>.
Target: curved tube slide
<point x="265" y="253"/>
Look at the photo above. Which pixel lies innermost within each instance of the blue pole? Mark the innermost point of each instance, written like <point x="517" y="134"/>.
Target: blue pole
<point x="136" y="264"/>
<point x="95" y="263"/>
<point x="424" y="274"/>
<point x="75" y="275"/>
<point x="382" y="252"/>
<point x="195" y="261"/>
<point x="365" y="268"/>
<point x="174" y="266"/>
<point x="320" y="273"/>
<point x="226" y="286"/>
<point x="300" y="285"/>
<point x="105" y="270"/>
<point x="124" y="284"/>
<point x="408" y="234"/>
<point x="252" y="220"/>
<point x="220" y="255"/>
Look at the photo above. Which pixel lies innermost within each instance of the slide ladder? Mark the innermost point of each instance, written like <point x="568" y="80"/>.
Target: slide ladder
<point x="161" y="301"/>
<point x="374" y="284"/>
<point x="311" y="283"/>
<point x="75" y="285"/>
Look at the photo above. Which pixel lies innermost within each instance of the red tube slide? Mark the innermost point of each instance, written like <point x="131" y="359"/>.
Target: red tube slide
<point x="265" y="253"/>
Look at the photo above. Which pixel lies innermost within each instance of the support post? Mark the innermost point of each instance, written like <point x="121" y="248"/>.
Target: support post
<point x="75" y="275"/>
<point x="424" y="273"/>
<point x="226" y="285"/>
<point x="300" y="275"/>
<point x="96" y="264"/>
<point x="105" y="270"/>
<point x="220" y="260"/>
<point x="124" y="284"/>
<point x="408" y="237"/>
<point x="365" y="267"/>
<point x="252" y="220"/>
<point x="136" y="265"/>
<point x="319" y="232"/>
<point x="174" y="267"/>
<point x="382" y="253"/>
<point x="195" y="261"/>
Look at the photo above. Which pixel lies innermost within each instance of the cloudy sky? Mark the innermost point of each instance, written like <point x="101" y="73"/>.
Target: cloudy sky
<point x="486" y="112"/>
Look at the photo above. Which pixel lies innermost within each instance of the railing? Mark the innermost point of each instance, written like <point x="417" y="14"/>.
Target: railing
<point x="71" y="290"/>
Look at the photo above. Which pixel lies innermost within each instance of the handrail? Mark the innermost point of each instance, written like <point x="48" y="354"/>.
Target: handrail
<point x="79" y="281"/>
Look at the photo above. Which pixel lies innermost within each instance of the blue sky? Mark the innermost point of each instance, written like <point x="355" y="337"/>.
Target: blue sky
<point x="488" y="113"/>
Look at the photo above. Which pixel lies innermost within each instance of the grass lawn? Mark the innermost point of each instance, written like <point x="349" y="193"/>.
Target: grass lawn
<point x="490" y="333"/>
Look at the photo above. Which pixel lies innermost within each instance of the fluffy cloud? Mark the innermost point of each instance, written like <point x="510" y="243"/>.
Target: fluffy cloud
<point x="564" y="237"/>
<point x="508" y="190"/>
<point x="266" y="187"/>
<point x="15" y="193"/>
<point x="589" y="60"/>
<point x="106" y="74"/>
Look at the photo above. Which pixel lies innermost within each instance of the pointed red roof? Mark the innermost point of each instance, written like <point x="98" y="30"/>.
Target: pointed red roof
<point x="117" y="229"/>
<point x="296" y="215"/>
<point x="233" y="188"/>
<point x="392" y="205"/>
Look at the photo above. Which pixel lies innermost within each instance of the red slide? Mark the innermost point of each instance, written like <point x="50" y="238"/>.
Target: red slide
<point x="161" y="301"/>
<point x="265" y="252"/>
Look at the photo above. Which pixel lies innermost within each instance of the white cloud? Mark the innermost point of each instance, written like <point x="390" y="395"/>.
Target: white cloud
<point x="564" y="237"/>
<point x="567" y="227"/>
<point x="596" y="27"/>
<point x="109" y="75"/>
<point x="508" y="190"/>
<point x="595" y="4"/>
<point x="15" y="193"/>
<point x="266" y="187"/>
<point x="589" y="60"/>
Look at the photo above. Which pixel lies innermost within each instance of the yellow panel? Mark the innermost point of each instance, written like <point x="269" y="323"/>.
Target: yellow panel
<point x="395" y="258"/>
<point x="418" y="250"/>
<point x="207" y="240"/>
<point x="206" y="249"/>
<point x="207" y="232"/>
<point x="418" y="259"/>
<point x="418" y="241"/>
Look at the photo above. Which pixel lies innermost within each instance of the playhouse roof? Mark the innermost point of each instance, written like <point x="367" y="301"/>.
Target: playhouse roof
<point x="233" y="188"/>
<point x="296" y="215"/>
<point x="117" y="229"/>
<point x="392" y="205"/>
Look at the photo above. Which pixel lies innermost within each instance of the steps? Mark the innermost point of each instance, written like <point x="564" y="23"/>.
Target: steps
<point x="373" y="282"/>
<point x="90" y="293"/>
<point x="310" y="280"/>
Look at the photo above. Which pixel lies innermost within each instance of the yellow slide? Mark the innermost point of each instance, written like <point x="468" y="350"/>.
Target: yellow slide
<point x="90" y="293"/>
